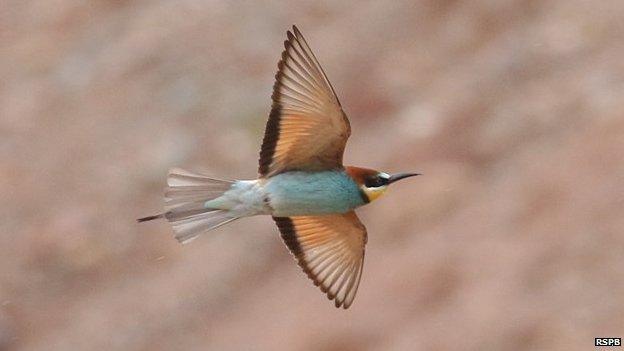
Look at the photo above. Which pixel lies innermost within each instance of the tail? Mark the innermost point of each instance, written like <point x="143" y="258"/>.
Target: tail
<point x="185" y="199"/>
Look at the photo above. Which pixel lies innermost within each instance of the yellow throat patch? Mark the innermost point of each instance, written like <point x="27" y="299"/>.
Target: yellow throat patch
<point x="374" y="193"/>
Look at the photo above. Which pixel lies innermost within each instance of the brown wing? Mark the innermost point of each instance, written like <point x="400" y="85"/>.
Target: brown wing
<point x="307" y="129"/>
<point x="330" y="249"/>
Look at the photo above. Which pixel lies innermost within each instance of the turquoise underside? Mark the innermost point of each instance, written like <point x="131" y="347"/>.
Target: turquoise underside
<point x="310" y="193"/>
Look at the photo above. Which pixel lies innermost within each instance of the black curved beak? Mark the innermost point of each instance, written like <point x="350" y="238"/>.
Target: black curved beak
<point x="399" y="176"/>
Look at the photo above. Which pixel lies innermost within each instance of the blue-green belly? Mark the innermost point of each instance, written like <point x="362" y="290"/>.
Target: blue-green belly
<point x="311" y="193"/>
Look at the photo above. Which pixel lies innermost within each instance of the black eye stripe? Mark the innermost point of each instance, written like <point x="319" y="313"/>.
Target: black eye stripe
<point x="375" y="182"/>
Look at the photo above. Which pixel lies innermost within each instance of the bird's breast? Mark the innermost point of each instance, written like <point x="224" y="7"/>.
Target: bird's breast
<point x="311" y="193"/>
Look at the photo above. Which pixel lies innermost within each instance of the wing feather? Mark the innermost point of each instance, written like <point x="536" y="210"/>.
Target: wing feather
<point x="329" y="249"/>
<point x="307" y="129"/>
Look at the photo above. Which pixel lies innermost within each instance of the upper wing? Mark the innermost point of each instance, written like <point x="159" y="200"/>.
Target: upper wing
<point x="307" y="129"/>
<point x="330" y="249"/>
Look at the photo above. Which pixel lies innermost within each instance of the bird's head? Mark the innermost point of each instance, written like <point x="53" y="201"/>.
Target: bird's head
<point x="374" y="183"/>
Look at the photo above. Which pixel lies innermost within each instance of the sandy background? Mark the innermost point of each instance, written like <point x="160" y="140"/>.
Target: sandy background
<point x="512" y="240"/>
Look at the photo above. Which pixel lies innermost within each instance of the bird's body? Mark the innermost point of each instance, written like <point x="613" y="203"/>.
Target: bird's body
<point x="293" y="193"/>
<point x="312" y="193"/>
<point x="302" y="183"/>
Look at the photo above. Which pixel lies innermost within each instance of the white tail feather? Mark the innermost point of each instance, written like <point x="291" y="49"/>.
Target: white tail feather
<point x="185" y="199"/>
<point x="189" y="228"/>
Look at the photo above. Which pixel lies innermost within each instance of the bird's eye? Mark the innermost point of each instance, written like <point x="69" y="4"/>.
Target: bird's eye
<point x="375" y="182"/>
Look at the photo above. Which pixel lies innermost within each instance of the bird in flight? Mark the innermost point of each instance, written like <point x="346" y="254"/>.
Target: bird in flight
<point x="302" y="182"/>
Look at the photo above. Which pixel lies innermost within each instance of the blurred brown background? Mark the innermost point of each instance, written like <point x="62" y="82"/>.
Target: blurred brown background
<point x="512" y="240"/>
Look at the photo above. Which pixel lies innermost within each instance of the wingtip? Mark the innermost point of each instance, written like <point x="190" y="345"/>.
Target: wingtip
<point x="346" y="303"/>
<point x="342" y="304"/>
<point x="296" y="30"/>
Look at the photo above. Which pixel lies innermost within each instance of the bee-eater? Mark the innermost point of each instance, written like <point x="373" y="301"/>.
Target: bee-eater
<point x="302" y="182"/>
